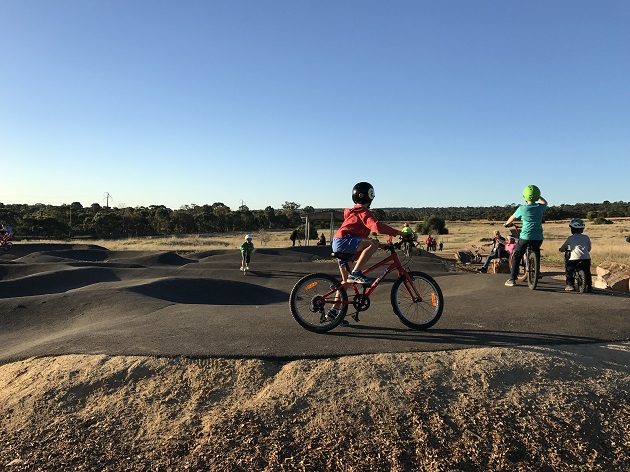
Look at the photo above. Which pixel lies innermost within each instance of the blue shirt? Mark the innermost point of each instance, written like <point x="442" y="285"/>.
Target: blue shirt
<point x="531" y="215"/>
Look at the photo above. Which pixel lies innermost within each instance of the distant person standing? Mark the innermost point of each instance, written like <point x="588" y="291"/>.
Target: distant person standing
<point x="322" y="240"/>
<point x="293" y="237"/>
<point x="429" y="242"/>
<point x="441" y="245"/>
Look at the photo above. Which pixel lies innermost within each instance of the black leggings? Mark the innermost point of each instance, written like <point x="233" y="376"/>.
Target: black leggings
<point x="520" y="249"/>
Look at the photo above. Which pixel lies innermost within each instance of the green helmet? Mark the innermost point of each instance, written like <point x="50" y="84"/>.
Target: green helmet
<point x="531" y="193"/>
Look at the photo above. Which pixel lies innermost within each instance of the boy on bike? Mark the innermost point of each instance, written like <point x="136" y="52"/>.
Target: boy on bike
<point x="531" y="215"/>
<point x="578" y="248"/>
<point x="246" y="251"/>
<point x="352" y="236"/>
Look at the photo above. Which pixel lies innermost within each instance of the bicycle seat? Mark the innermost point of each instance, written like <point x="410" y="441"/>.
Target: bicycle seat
<point x="343" y="256"/>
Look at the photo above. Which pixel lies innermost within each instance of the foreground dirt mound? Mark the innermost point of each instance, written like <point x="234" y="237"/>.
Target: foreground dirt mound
<point x="531" y="408"/>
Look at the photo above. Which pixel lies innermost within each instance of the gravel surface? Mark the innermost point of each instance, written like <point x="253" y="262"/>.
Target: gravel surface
<point x="530" y="408"/>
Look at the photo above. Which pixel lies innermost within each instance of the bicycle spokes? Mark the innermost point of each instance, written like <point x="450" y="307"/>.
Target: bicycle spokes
<point x="420" y="303"/>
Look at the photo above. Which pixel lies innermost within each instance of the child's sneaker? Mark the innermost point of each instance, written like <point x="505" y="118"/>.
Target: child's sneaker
<point x="246" y="267"/>
<point x="569" y="288"/>
<point x="331" y="314"/>
<point x="359" y="278"/>
<point x="510" y="283"/>
<point x="242" y="268"/>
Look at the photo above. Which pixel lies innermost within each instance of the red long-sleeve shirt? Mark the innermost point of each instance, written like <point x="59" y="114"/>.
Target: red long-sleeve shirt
<point x="359" y="221"/>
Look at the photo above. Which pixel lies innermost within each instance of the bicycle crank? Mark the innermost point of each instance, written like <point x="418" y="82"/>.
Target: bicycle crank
<point x="361" y="302"/>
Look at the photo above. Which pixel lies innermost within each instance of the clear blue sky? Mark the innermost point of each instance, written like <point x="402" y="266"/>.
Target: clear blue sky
<point x="435" y="103"/>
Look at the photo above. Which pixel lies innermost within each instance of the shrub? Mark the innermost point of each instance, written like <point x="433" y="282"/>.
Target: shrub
<point x="432" y="225"/>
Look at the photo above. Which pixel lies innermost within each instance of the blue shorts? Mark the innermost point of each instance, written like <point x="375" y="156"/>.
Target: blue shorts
<point x="347" y="244"/>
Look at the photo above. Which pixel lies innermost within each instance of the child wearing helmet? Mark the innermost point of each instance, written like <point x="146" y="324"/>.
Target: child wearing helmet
<point x="531" y="215"/>
<point x="408" y="232"/>
<point x="406" y="229"/>
<point x="246" y="251"/>
<point x="352" y="236"/>
<point x="578" y="252"/>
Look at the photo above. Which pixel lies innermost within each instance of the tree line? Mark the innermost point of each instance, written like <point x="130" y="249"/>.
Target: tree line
<point x="96" y="221"/>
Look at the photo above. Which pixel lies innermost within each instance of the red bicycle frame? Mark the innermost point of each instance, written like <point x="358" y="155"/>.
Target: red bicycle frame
<point x="394" y="264"/>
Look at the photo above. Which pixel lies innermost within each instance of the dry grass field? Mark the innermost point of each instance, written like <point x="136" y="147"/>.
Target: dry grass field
<point x="608" y="240"/>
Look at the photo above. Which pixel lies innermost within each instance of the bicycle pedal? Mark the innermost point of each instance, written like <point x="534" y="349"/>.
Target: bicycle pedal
<point x="355" y="317"/>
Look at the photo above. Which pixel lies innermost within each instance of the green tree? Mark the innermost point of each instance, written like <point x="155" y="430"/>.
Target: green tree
<point x="432" y="225"/>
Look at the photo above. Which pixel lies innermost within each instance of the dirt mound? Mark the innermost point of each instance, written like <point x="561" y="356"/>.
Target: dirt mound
<point x="535" y="408"/>
<point x="151" y="258"/>
<point x="210" y="292"/>
<point x="211" y="253"/>
<point x="22" y="249"/>
<point x="55" y="281"/>
<point x="87" y="255"/>
<point x="297" y="254"/>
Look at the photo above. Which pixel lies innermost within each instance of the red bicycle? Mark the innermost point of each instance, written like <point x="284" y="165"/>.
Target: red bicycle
<point x="5" y="243"/>
<point x="416" y="297"/>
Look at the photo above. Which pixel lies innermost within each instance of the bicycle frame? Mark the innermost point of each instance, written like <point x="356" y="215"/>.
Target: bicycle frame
<point x="394" y="263"/>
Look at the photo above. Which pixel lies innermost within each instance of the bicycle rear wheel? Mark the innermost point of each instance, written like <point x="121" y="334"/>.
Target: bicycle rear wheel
<point x="533" y="269"/>
<point x="419" y="302"/>
<point x="522" y="272"/>
<point x="580" y="280"/>
<point x="311" y="298"/>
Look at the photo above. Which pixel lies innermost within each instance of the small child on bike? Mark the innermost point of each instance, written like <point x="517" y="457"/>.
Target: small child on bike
<point x="352" y="236"/>
<point x="246" y="251"/>
<point x="406" y="229"/>
<point x="578" y="253"/>
<point x="408" y="234"/>
<point x="531" y="215"/>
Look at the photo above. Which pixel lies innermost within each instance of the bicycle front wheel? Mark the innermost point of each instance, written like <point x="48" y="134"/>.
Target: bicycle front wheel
<point x="417" y="301"/>
<point x="533" y="269"/>
<point x="311" y="299"/>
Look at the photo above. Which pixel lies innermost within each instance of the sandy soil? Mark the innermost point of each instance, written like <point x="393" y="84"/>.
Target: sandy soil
<point x="534" y="408"/>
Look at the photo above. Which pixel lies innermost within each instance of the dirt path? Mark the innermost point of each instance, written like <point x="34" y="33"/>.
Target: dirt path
<point x="529" y="408"/>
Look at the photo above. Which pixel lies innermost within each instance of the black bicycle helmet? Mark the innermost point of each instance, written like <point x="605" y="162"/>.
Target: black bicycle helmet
<point x="363" y="192"/>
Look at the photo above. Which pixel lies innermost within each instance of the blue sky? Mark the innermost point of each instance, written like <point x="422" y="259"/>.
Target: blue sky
<point x="435" y="103"/>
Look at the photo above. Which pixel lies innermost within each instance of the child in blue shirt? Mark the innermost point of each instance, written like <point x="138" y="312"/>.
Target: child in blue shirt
<point x="531" y="215"/>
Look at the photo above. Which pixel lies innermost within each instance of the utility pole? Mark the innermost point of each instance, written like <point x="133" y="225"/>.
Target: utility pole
<point x="107" y="197"/>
